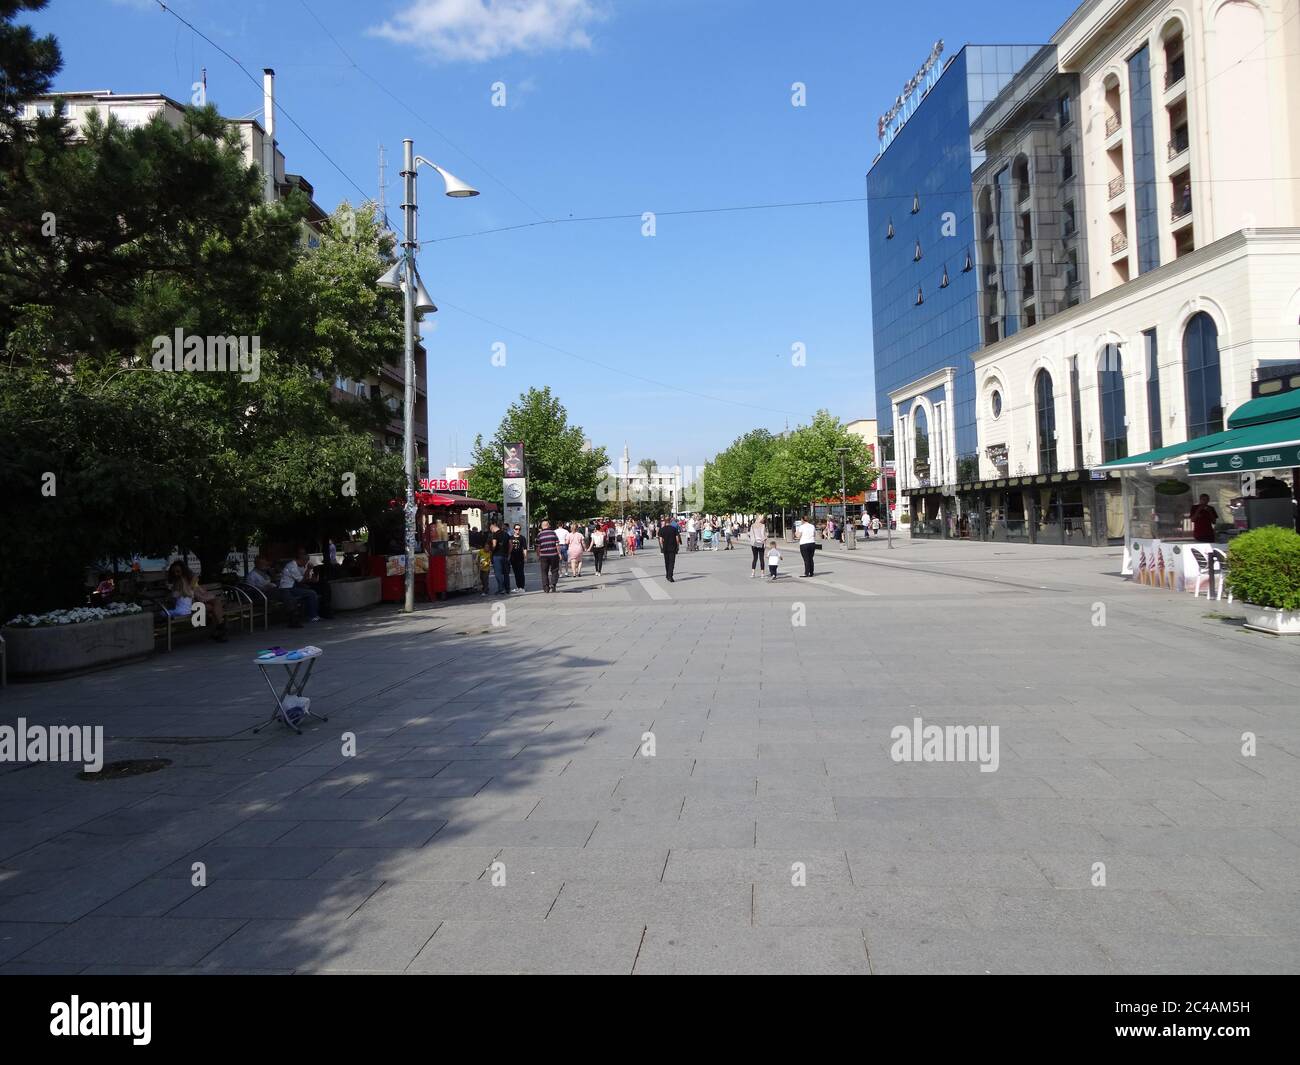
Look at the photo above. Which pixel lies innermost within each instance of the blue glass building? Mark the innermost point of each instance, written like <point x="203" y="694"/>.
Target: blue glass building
<point x="922" y="233"/>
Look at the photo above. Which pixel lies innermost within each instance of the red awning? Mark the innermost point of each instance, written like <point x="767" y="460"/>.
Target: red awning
<point x="438" y="499"/>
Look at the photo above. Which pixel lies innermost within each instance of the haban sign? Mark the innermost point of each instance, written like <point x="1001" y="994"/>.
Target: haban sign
<point x="444" y="484"/>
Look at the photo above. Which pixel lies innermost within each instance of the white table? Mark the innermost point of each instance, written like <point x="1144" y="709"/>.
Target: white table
<point x="294" y="684"/>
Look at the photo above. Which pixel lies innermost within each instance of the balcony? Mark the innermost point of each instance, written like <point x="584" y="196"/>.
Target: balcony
<point x="986" y="224"/>
<point x="1116" y="186"/>
<point x="1179" y="144"/>
<point x="991" y="279"/>
<point x="1118" y="243"/>
<point x="1113" y="123"/>
<point x="1180" y="209"/>
<point x="1026" y="245"/>
<point x="1022" y="194"/>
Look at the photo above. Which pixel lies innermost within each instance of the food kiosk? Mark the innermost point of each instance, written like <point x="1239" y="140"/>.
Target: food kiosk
<point x="444" y="561"/>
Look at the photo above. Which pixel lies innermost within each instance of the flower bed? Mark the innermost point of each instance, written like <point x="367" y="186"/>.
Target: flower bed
<point x="76" y="616"/>
<point x="66" y="641"/>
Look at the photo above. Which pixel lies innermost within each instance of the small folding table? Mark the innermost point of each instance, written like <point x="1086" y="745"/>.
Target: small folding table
<point x="293" y="662"/>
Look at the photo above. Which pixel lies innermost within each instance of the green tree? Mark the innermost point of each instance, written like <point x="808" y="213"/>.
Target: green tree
<point x="814" y="460"/>
<point x="563" y="477"/>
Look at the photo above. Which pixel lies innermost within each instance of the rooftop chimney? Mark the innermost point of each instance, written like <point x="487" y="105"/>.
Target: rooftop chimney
<point x="268" y="141"/>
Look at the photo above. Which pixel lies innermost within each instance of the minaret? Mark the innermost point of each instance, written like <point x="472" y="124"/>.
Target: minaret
<point x="627" y="466"/>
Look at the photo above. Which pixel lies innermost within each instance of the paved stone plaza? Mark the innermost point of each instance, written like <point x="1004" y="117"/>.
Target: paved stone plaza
<point x="520" y="744"/>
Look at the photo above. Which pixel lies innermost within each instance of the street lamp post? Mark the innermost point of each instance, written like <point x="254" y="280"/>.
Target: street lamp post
<point x="416" y="301"/>
<point x="847" y="532"/>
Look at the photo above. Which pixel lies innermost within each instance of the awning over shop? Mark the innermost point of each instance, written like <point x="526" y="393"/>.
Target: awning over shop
<point x="1263" y="434"/>
<point x="1164" y="455"/>
<point x="1265" y="446"/>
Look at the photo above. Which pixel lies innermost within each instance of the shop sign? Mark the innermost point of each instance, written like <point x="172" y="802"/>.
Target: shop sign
<point x="1237" y="461"/>
<point x="444" y="484"/>
<point x="909" y="99"/>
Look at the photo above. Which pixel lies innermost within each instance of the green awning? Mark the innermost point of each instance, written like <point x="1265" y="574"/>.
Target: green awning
<point x="1284" y="405"/>
<point x="1162" y="455"/>
<point x="1263" y="446"/>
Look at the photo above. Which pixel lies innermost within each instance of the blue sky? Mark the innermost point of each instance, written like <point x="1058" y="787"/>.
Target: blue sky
<point x="613" y="107"/>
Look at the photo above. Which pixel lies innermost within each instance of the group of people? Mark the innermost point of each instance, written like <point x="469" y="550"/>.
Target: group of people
<point x="710" y="533"/>
<point x="561" y="548"/>
<point x="298" y="582"/>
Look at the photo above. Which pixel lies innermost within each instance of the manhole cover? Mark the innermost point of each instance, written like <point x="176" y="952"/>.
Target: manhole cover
<point x="132" y="767"/>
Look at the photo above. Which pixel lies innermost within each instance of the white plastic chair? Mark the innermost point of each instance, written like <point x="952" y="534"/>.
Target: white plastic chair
<point x="1203" y="573"/>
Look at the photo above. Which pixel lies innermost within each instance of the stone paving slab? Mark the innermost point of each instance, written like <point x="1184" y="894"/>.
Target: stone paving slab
<point x="522" y="746"/>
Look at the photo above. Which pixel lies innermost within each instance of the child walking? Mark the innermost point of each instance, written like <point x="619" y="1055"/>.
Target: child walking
<point x="773" y="559"/>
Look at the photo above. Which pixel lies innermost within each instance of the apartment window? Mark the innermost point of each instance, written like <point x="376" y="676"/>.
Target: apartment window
<point x="1045" y="416"/>
<point x="1072" y="267"/>
<point x="1063" y="111"/>
<point x="1114" y="411"/>
<point x="1153" y="389"/>
<point x="1201" y="376"/>
<point x="341" y="383"/>
<point x="1068" y="223"/>
<point x="1067" y="163"/>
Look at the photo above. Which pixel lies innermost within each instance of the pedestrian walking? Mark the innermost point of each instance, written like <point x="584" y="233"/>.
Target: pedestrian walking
<point x="807" y="545"/>
<point x="598" y="549"/>
<point x="773" y="559"/>
<point x="484" y="567"/>
<point x="562" y="536"/>
<point x="670" y="539"/>
<point x="518" y="555"/>
<point x="576" y="547"/>
<point x="757" y="538"/>
<point x="630" y="536"/>
<point x="548" y="556"/>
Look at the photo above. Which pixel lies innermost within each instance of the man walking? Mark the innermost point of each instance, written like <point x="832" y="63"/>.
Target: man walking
<point x="670" y="539"/>
<point x="547" y="547"/>
<point x="499" y="545"/>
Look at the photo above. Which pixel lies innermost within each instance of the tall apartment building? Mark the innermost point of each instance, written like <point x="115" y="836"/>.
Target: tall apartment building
<point x="1187" y="141"/>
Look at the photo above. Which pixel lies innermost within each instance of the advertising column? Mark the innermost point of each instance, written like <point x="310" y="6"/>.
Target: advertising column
<point x="514" y="488"/>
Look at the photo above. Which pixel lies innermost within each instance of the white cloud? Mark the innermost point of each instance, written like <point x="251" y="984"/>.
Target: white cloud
<point x="477" y="30"/>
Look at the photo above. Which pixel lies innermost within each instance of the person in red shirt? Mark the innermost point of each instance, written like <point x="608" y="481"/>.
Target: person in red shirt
<point x="1204" y="519"/>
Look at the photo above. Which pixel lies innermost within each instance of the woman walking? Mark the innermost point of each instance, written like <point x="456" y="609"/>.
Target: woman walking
<point x="576" y="547"/>
<point x="598" y="548"/>
<point x="629" y="534"/>
<point x="757" y="541"/>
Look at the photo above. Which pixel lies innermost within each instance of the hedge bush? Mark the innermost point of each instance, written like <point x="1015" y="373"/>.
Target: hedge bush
<point x="1264" y="567"/>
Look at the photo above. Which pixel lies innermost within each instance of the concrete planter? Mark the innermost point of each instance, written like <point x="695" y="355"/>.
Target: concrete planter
<point x="354" y="593"/>
<point x="1270" y="619"/>
<point x="50" y="650"/>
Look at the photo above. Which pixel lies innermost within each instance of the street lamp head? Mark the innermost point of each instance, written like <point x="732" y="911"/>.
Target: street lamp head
<point x="392" y="277"/>
<point x="423" y="301"/>
<point x="455" y="187"/>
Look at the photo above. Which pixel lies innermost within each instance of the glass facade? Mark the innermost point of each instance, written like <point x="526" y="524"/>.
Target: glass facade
<point x="1006" y="208"/>
<point x="931" y="160"/>
<point x="1145" y="206"/>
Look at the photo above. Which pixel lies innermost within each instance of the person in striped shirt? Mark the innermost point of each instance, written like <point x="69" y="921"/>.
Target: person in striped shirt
<point x="547" y="547"/>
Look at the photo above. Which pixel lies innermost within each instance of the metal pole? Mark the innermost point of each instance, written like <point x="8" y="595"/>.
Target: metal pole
<point x="889" y="509"/>
<point x="408" y="408"/>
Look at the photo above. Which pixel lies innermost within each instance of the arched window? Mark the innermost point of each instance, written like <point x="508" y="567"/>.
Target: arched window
<point x="921" y="452"/>
<point x="1045" y="412"/>
<point x="1110" y="386"/>
<point x="1201" y="375"/>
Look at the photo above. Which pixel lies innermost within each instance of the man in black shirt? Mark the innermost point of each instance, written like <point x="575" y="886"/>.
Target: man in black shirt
<point x="499" y="545"/>
<point x="670" y="539"/>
